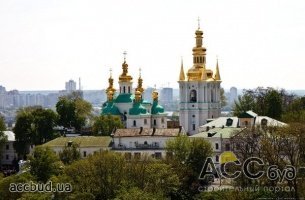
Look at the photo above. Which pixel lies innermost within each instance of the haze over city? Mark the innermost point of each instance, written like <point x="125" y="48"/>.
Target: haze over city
<point x="45" y="43"/>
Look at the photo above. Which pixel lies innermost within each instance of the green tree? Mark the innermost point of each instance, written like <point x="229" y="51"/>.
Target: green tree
<point x="23" y="132"/>
<point x="244" y="103"/>
<point x="189" y="155"/>
<point x="104" y="125"/>
<point x="3" y="137"/>
<point x="268" y="102"/>
<point x="44" y="163"/>
<point x="2" y="124"/>
<point x="73" y="112"/>
<point x="34" y="125"/>
<point x="69" y="154"/>
<point x="137" y="194"/>
<point x="6" y="182"/>
<point x="295" y="111"/>
<point x="223" y="98"/>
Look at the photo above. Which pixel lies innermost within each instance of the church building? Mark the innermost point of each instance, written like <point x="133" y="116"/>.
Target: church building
<point x="128" y="103"/>
<point x="199" y="90"/>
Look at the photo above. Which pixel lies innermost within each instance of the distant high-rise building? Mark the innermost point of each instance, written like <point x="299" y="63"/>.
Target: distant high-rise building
<point x="70" y="86"/>
<point x="147" y="93"/>
<point x="166" y="95"/>
<point x="2" y="89"/>
<point x="233" y="94"/>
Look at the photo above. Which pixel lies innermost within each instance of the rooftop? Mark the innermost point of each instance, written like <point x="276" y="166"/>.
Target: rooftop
<point x="83" y="141"/>
<point x="10" y="135"/>
<point x="226" y="132"/>
<point x="145" y="132"/>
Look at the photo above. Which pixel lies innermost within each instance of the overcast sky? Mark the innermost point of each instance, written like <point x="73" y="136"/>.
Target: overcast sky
<point x="45" y="43"/>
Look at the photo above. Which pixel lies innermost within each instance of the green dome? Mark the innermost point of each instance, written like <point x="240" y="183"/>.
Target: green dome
<point x="137" y="109"/>
<point x="110" y="109"/>
<point x="124" y="98"/>
<point x="156" y="108"/>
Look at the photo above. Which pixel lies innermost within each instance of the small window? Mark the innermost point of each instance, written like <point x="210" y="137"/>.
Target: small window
<point x="158" y="155"/>
<point x="155" y="122"/>
<point x="217" y="158"/>
<point x="134" y="123"/>
<point x="128" y="89"/>
<point x="7" y="147"/>
<point x="7" y="157"/>
<point x="193" y="96"/>
<point x="246" y="123"/>
<point x="137" y="155"/>
<point x="145" y="121"/>
<point x="145" y="142"/>
<point x="264" y="122"/>
<point x="128" y="156"/>
<point x="84" y="154"/>
<point x="228" y="147"/>
<point x="216" y="146"/>
<point x="162" y="120"/>
<point x="194" y="127"/>
<point x="229" y="122"/>
<point x="193" y="116"/>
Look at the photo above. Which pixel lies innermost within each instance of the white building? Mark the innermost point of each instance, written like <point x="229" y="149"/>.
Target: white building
<point x="219" y="131"/>
<point x="199" y="90"/>
<point x="87" y="145"/>
<point x="134" y="111"/>
<point x="143" y="141"/>
<point x="8" y="152"/>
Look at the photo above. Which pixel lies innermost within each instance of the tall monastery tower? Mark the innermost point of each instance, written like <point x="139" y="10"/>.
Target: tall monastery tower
<point x="199" y="90"/>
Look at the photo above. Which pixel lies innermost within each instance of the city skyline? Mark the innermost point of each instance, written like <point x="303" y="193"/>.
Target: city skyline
<point x="45" y="43"/>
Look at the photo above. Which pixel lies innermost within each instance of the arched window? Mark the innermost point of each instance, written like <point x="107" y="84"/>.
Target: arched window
<point x="145" y="121"/>
<point x="229" y="122"/>
<point x="134" y="123"/>
<point x="162" y="120"/>
<point x="155" y="122"/>
<point x="124" y="89"/>
<point x="193" y="96"/>
<point x="128" y="89"/>
<point x="212" y="96"/>
<point x="264" y="122"/>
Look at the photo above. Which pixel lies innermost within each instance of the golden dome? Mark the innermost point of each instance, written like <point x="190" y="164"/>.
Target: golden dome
<point x="124" y="77"/>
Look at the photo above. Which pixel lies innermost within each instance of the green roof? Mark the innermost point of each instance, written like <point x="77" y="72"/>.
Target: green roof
<point x="156" y="108"/>
<point x="82" y="141"/>
<point x="124" y="98"/>
<point x="137" y="109"/>
<point x="226" y="132"/>
<point x="111" y="109"/>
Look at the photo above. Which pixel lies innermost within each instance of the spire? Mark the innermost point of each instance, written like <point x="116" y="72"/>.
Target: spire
<point x="217" y="74"/>
<point x="110" y="81"/>
<point x="198" y="23"/>
<point x="140" y="82"/>
<point x="182" y="75"/>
